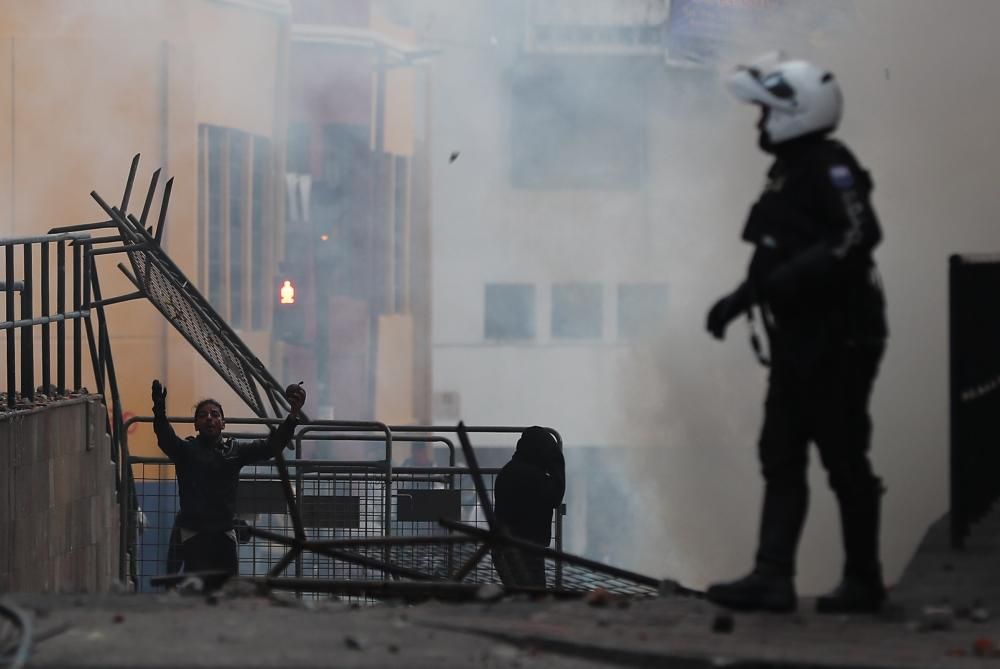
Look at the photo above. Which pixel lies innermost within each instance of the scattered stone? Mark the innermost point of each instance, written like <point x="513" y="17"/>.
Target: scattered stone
<point x="392" y="648"/>
<point x="937" y="618"/>
<point x="353" y="642"/>
<point x="598" y="597"/>
<point x="489" y="592"/>
<point x="504" y="652"/>
<point x="453" y="157"/>
<point x="118" y="618"/>
<point x="119" y="588"/>
<point x="191" y="585"/>
<point x="723" y="623"/>
<point x="984" y="647"/>
<point x="238" y="588"/>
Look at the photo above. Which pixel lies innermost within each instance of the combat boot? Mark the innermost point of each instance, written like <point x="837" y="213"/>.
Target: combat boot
<point x="854" y="594"/>
<point x="861" y="589"/>
<point x="758" y="591"/>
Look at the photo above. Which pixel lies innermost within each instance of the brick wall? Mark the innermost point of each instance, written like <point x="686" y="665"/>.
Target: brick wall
<point x="58" y="507"/>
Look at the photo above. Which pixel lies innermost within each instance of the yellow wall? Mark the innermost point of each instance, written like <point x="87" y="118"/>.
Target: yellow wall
<point x="83" y="87"/>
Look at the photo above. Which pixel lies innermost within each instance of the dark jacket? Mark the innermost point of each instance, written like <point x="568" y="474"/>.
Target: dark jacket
<point x="529" y="487"/>
<point x="812" y="271"/>
<point x="207" y="474"/>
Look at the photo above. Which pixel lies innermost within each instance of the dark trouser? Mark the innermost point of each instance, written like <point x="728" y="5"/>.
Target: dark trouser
<point x="210" y="551"/>
<point x="827" y="405"/>
<point x="518" y="567"/>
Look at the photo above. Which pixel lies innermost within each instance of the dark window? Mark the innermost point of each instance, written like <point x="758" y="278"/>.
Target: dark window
<point x="576" y="310"/>
<point x="642" y="309"/>
<point x="510" y="311"/>
<point x="235" y="172"/>
<point x="577" y="122"/>
<point x="342" y="210"/>
<point x="258" y="259"/>
<point x="298" y="148"/>
<point x="216" y="158"/>
<point x="237" y="202"/>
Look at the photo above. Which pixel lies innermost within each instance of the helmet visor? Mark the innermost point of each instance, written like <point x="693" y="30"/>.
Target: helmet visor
<point x="751" y="84"/>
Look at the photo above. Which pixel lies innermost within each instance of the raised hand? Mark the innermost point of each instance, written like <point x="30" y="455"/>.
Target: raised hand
<point x="159" y="397"/>
<point x="296" y="396"/>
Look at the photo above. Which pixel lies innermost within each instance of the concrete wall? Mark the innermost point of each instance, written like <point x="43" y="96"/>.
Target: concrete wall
<point x="58" y="508"/>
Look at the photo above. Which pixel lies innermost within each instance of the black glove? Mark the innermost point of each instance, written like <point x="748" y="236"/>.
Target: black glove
<point x="159" y="399"/>
<point x="721" y="314"/>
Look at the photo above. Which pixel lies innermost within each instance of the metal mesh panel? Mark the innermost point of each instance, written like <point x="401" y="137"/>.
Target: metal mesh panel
<point x="346" y="502"/>
<point x="183" y="313"/>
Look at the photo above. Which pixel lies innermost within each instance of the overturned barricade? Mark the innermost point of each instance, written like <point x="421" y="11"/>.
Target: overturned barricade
<point x="363" y="529"/>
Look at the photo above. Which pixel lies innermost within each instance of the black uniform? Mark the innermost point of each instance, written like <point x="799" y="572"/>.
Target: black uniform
<point x="814" y="279"/>
<point x="207" y="477"/>
<point x="526" y="491"/>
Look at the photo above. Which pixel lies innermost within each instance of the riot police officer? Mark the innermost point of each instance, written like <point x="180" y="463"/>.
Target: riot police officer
<point x="814" y="283"/>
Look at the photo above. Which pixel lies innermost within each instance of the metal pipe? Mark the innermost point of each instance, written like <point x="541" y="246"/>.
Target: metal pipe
<point x="9" y="315"/>
<point x="61" y="324"/>
<point x="19" y="241"/>
<point x="27" y="336"/>
<point x="46" y="344"/>
<point x="77" y="324"/>
<point x="128" y="297"/>
<point x="105" y="343"/>
<point x="42" y="320"/>
<point x="346" y="556"/>
<point x="149" y="197"/>
<point x="128" y="275"/>
<point x="163" y="210"/>
<point x="102" y="225"/>
<point x="128" y="182"/>
<point x="109" y="251"/>
<point x="569" y="558"/>
<point x="477" y="479"/>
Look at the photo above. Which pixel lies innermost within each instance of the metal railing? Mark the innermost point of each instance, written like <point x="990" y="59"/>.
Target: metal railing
<point x="365" y="529"/>
<point x="396" y="501"/>
<point x="29" y="310"/>
<point x="62" y="298"/>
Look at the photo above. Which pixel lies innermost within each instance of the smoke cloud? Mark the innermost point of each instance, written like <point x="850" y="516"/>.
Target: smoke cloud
<point x="920" y="93"/>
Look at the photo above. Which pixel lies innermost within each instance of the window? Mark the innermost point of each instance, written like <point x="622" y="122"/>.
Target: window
<point x="576" y="310"/>
<point x="342" y="211"/>
<point x="297" y="161"/>
<point x="510" y="311"/>
<point x="642" y="309"/>
<point x="259" y="200"/>
<point x="577" y="122"/>
<point x="234" y="238"/>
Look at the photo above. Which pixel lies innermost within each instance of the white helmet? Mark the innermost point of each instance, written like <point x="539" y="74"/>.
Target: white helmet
<point x="799" y="97"/>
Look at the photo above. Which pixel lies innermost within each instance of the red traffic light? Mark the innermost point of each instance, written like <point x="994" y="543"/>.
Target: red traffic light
<point x="286" y="293"/>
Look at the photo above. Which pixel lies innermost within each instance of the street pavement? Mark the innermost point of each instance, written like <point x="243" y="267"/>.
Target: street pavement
<point x="945" y="613"/>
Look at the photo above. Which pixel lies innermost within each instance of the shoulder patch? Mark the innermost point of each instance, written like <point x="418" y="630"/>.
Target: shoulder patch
<point x="841" y="177"/>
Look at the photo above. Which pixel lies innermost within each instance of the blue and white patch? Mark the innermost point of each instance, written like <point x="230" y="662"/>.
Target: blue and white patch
<point x="841" y="177"/>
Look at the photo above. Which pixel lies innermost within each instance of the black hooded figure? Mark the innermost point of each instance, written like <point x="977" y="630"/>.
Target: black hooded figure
<point x="526" y="491"/>
<point x="812" y="277"/>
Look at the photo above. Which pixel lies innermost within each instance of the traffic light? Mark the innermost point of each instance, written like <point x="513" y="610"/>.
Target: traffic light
<point x="289" y="313"/>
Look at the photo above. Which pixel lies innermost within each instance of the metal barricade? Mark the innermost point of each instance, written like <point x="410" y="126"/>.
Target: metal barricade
<point x="338" y="502"/>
